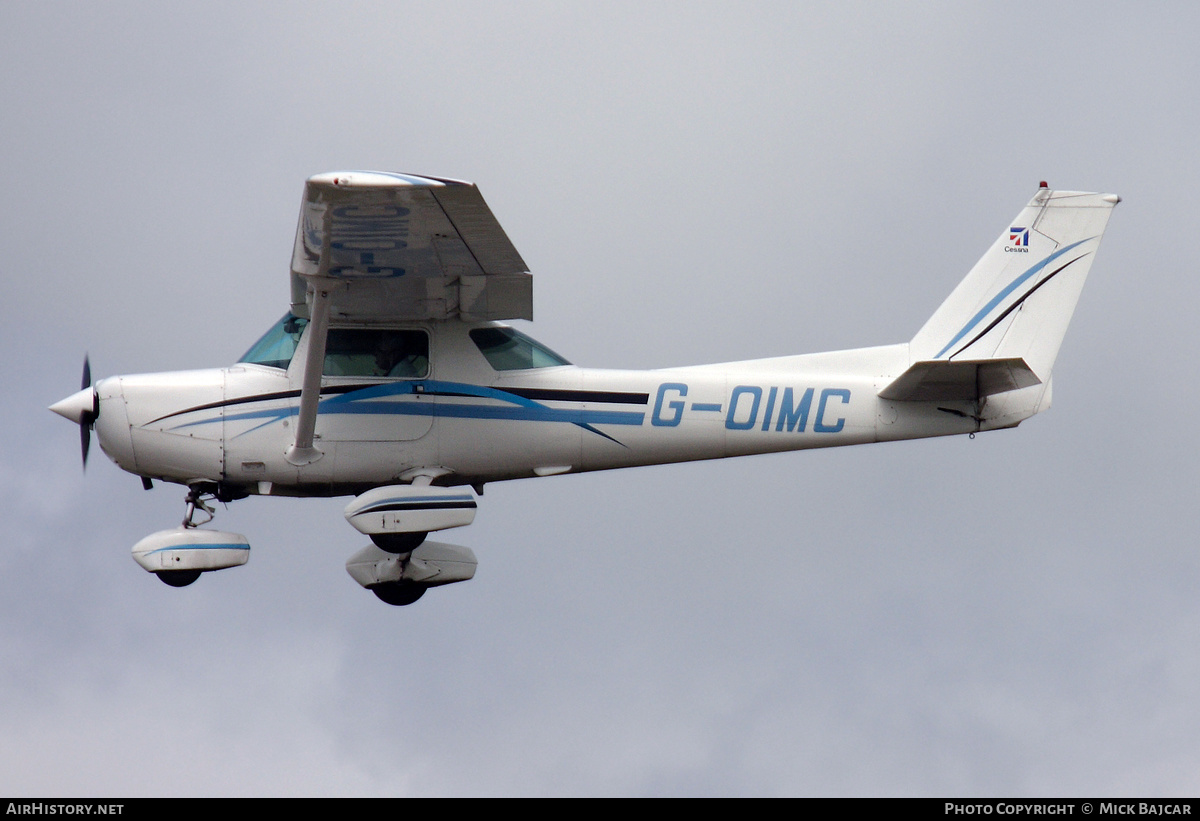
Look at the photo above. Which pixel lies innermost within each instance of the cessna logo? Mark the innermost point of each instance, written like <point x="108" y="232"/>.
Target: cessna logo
<point x="1018" y="239"/>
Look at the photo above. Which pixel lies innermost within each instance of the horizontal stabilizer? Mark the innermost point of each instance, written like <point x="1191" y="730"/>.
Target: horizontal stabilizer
<point x="968" y="380"/>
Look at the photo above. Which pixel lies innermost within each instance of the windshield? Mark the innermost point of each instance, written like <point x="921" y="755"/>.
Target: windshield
<point x="277" y="345"/>
<point x="507" y="349"/>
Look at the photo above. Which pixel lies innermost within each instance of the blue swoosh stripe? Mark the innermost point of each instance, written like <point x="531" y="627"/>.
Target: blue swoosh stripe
<point x="456" y="411"/>
<point x="200" y="547"/>
<point x="517" y="408"/>
<point x="998" y="298"/>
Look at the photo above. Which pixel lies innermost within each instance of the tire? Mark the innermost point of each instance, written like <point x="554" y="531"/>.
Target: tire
<point x="399" y="594"/>
<point x="178" y="578"/>
<point x="398" y="542"/>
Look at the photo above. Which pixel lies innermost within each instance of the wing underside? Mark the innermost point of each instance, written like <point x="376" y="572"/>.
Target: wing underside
<point x="400" y="246"/>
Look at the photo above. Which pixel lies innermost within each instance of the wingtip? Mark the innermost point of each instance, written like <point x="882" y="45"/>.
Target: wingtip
<point x="374" y="179"/>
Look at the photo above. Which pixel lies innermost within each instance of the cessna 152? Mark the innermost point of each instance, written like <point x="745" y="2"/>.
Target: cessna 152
<point x="392" y="380"/>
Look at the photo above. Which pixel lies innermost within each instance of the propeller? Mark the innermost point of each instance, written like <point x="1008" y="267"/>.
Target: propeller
<point x="87" y="418"/>
<point x="83" y="408"/>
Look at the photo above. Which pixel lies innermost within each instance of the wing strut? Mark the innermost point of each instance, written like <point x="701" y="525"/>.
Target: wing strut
<point x="302" y="451"/>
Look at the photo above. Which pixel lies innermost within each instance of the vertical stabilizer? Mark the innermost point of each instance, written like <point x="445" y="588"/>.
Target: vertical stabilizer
<point x="1017" y="301"/>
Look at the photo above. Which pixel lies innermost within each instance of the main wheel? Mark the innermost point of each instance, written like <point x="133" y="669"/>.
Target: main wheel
<point x="178" y="578"/>
<point x="398" y="542"/>
<point x="399" y="593"/>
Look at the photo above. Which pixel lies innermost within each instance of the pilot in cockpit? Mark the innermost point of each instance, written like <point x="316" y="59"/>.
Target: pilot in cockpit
<point x="401" y="355"/>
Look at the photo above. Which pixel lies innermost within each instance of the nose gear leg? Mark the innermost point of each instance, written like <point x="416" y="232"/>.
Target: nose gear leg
<point x="196" y="501"/>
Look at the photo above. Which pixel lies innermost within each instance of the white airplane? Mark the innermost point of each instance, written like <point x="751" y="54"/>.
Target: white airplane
<point x="390" y="379"/>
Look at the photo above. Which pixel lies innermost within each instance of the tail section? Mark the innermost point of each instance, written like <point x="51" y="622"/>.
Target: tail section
<point x="998" y="333"/>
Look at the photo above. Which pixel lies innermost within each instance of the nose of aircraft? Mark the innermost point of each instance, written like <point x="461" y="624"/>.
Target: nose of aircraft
<point x="82" y="408"/>
<point x="76" y="405"/>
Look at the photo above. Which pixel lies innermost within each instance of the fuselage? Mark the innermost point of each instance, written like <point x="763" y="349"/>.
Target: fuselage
<point x="468" y="416"/>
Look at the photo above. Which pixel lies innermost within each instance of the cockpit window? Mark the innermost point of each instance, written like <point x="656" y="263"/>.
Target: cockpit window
<point x="277" y="345"/>
<point x="377" y="352"/>
<point x="507" y="349"/>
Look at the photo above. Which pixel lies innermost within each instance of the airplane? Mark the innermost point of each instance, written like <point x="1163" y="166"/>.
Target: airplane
<point x="393" y="379"/>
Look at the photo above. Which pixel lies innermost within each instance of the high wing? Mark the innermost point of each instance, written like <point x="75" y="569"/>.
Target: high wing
<point x="374" y="245"/>
<point x="400" y="246"/>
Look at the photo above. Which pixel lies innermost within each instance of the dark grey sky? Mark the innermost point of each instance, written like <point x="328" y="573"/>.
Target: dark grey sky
<point x="1013" y="615"/>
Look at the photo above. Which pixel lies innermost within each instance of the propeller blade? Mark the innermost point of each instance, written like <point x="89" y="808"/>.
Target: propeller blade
<point x="85" y="442"/>
<point x="87" y="417"/>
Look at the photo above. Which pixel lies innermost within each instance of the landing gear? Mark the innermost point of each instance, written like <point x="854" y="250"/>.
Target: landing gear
<point x="398" y="542"/>
<point x="196" y="500"/>
<point x="399" y="593"/>
<point x="201" y="493"/>
<point x="178" y="578"/>
<point x="402" y="578"/>
<point x="180" y="555"/>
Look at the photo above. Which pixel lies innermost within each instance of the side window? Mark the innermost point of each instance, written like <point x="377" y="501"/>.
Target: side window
<point x="377" y="352"/>
<point x="507" y="349"/>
